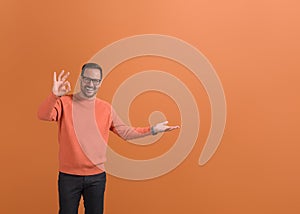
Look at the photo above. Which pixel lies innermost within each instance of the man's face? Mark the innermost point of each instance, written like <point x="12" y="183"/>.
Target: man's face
<point x="90" y="82"/>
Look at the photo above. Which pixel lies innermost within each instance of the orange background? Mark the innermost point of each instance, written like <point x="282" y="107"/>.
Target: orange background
<point x="254" y="47"/>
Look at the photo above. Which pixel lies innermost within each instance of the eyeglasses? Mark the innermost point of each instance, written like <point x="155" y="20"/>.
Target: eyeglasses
<point x="87" y="80"/>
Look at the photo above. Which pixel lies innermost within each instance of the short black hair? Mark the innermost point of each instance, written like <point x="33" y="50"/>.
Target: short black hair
<point x="91" y="65"/>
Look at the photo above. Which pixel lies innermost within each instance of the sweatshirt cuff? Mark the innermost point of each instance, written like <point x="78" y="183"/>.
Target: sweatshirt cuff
<point x="54" y="96"/>
<point x="152" y="130"/>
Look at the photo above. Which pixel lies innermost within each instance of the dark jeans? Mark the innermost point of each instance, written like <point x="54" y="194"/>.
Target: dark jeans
<point x="71" y="187"/>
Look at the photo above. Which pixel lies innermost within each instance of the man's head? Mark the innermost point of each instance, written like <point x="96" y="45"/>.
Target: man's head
<point x="91" y="76"/>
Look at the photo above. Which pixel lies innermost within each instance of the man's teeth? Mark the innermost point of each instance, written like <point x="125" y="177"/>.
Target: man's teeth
<point x="89" y="89"/>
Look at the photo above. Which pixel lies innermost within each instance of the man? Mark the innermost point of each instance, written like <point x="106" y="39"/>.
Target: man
<point x="81" y="154"/>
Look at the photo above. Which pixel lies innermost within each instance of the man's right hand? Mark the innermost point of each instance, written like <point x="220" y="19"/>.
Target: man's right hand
<point x="61" y="86"/>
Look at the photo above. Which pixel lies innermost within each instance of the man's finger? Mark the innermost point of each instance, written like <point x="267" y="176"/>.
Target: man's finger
<point x="54" y="77"/>
<point x="60" y="75"/>
<point x="165" y="122"/>
<point x="68" y="86"/>
<point x="65" y="76"/>
<point x="170" y="128"/>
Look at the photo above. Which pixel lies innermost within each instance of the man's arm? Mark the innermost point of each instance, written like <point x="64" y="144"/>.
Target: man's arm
<point x="50" y="109"/>
<point x="127" y="132"/>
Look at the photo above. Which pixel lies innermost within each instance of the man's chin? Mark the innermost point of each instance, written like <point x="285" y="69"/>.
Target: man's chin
<point x="89" y="95"/>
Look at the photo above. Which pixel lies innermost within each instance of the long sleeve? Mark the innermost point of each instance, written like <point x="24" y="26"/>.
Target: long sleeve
<point x="50" y="109"/>
<point x="127" y="132"/>
<point x="77" y="154"/>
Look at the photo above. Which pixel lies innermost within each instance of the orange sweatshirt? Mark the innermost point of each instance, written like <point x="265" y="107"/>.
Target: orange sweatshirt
<point x="83" y="130"/>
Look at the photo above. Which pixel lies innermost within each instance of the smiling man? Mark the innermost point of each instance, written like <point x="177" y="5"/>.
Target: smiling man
<point x="81" y="158"/>
<point x="91" y="76"/>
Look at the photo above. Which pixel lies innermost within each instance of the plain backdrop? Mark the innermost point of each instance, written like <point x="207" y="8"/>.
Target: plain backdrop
<point x="254" y="47"/>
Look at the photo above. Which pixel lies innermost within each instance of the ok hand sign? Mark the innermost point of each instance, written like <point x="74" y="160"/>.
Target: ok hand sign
<point x="60" y="85"/>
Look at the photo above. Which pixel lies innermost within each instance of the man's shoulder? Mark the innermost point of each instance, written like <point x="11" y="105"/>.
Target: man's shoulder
<point x="102" y="107"/>
<point x="102" y="102"/>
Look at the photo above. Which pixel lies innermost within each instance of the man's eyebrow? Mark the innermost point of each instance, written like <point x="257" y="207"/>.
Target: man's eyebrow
<point x="90" y="78"/>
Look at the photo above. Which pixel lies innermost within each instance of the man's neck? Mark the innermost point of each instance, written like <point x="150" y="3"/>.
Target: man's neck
<point x="81" y="95"/>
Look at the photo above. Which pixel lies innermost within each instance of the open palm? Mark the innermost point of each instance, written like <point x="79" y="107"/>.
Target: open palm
<point x="163" y="127"/>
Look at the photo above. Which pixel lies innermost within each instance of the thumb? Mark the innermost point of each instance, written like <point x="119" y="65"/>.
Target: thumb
<point x="165" y="122"/>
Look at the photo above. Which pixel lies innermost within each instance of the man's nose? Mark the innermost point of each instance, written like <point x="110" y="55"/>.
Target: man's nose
<point x="91" y="83"/>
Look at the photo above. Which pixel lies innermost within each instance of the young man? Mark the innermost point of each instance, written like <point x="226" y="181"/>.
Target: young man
<point x="82" y="155"/>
